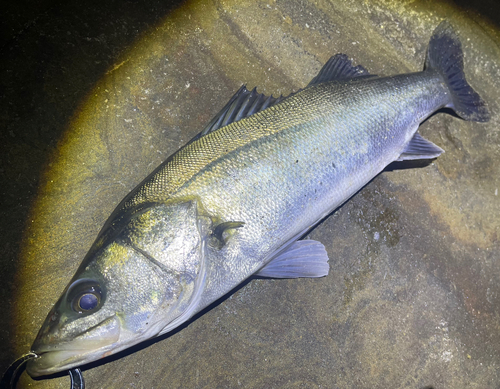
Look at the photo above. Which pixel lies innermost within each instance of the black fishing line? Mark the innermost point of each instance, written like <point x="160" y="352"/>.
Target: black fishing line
<point x="11" y="375"/>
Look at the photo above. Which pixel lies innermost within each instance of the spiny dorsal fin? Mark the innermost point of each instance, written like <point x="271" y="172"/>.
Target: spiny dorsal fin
<point x="339" y="67"/>
<point x="243" y="104"/>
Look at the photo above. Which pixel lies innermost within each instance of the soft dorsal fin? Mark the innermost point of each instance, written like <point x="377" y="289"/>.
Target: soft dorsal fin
<point x="243" y="104"/>
<point x="339" y="67"/>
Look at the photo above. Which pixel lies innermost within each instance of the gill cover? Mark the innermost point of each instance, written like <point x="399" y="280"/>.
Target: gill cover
<point x="143" y="279"/>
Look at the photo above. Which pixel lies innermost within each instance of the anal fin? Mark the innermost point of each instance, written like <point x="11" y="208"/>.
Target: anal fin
<point x="420" y="148"/>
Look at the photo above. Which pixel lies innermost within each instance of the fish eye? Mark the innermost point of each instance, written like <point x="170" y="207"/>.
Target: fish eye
<point x="88" y="301"/>
<point x="85" y="296"/>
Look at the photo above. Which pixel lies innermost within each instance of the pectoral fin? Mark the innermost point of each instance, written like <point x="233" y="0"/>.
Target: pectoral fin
<point x="223" y="231"/>
<point x="225" y="228"/>
<point x="303" y="258"/>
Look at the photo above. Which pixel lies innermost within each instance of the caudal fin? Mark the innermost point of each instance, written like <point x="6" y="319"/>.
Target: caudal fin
<point x="445" y="55"/>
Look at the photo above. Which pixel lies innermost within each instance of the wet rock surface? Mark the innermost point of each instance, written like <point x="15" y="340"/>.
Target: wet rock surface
<point x="95" y="97"/>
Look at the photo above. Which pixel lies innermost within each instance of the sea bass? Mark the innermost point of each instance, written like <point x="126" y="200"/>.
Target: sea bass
<point x="234" y="201"/>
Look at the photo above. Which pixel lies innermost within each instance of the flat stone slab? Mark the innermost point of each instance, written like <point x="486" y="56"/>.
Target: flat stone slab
<point x="413" y="295"/>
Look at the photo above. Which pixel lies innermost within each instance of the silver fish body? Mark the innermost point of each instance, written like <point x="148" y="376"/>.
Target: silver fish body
<point x="233" y="202"/>
<point x="282" y="170"/>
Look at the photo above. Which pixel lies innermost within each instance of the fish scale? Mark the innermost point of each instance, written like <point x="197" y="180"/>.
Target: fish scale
<point x="334" y="105"/>
<point x="298" y="194"/>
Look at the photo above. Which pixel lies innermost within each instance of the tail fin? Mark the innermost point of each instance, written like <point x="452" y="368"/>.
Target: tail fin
<point x="445" y="55"/>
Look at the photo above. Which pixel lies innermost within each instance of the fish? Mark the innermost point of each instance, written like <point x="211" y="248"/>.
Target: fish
<point x="236" y="200"/>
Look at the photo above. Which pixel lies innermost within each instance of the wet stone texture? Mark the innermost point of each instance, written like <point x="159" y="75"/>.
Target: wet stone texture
<point x="95" y="97"/>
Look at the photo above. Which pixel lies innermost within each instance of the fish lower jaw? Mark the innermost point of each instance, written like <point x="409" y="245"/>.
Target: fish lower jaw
<point x="51" y="362"/>
<point x="52" y="359"/>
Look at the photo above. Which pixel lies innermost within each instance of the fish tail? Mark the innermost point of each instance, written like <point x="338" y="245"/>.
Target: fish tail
<point x="445" y="56"/>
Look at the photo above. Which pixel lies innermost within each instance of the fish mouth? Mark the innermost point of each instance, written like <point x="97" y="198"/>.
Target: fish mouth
<point x="89" y="347"/>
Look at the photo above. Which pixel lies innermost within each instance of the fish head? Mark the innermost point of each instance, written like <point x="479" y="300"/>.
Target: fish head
<point x="141" y="278"/>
